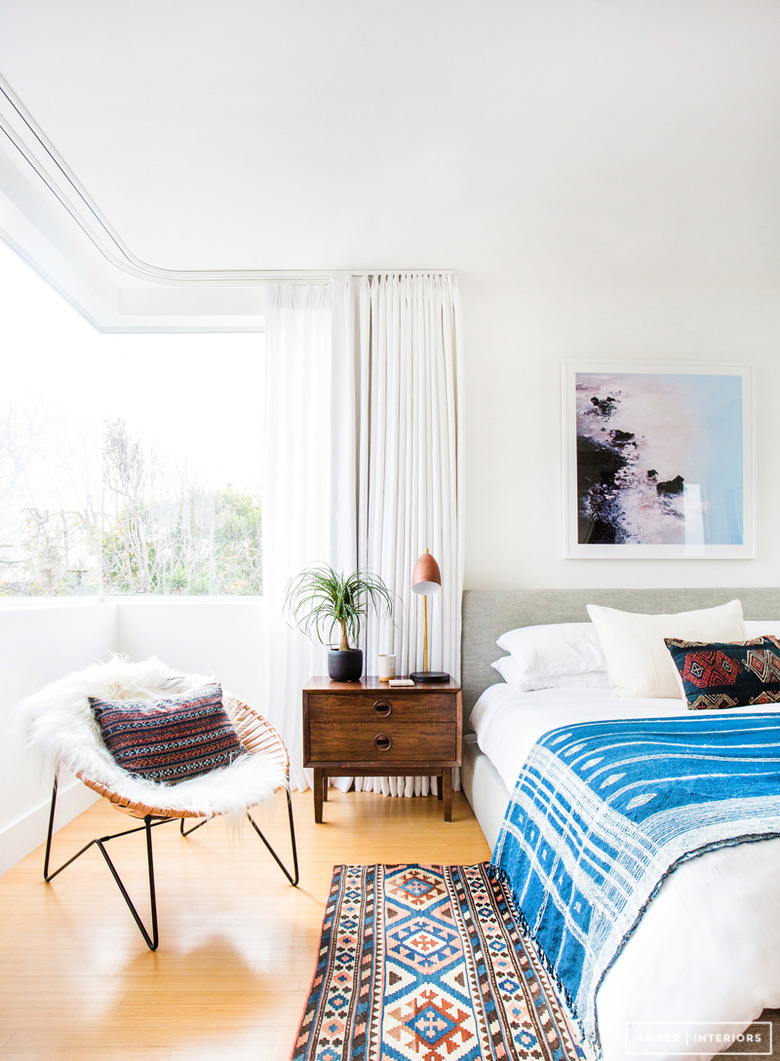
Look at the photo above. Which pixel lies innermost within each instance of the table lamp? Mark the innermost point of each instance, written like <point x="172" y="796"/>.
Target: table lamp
<point x="426" y="578"/>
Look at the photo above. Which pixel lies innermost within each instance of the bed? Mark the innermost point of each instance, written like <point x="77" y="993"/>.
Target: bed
<point x="705" y="956"/>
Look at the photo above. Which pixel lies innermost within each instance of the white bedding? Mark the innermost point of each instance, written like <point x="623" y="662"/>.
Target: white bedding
<point x="705" y="956"/>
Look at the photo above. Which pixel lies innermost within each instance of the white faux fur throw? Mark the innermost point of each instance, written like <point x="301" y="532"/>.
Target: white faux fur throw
<point x="59" y="724"/>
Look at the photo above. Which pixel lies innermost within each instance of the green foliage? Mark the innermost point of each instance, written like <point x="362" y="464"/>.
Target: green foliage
<point x="157" y="531"/>
<point x="56" y="557"/>
<point x="210" y="543"/>
<point x="238" y="543"/>
<point x="163" y="534"/>
<point x="319" y="600"/>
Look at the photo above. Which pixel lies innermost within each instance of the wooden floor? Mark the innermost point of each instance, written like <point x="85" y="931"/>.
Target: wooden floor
<point x="237" y="942"/>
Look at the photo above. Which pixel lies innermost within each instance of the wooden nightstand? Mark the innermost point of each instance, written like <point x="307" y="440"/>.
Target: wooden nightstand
<point x="367" y="729"/>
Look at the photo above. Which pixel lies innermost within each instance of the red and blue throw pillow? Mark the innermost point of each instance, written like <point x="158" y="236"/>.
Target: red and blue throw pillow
<point x="728" y="674"/>
<point x="171" y="739"/>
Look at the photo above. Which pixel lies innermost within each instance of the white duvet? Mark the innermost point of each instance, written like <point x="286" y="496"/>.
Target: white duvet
<point x="704" y="960"/>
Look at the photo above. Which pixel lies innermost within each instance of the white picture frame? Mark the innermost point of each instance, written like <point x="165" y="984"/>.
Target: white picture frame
<point x="659" y="460"/>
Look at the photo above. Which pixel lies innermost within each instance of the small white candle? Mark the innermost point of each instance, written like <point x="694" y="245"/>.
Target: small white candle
<point x="386" y="667"/>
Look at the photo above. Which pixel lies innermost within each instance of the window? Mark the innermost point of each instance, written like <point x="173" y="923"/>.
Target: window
<point x="128" y="463"/>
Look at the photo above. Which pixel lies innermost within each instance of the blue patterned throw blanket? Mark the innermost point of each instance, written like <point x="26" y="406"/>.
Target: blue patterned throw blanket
<point x="602" y="812"/>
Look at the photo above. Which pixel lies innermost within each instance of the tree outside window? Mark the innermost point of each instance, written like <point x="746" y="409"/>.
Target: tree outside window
<point x="129" y="464"/>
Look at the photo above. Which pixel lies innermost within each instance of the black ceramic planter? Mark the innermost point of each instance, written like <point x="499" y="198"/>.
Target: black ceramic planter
<point x="345" y="665"/>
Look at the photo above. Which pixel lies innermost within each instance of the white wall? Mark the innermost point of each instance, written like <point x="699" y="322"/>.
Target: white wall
<point x="39" y="644"/>
<point x="514" y="459"/>
<point x="219" y="637"/>
<point x="640" y="142"/>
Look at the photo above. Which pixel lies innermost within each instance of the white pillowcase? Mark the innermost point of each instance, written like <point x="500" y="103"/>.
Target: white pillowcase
<point x="550" y="656"/>
<point x="514" y="675"/>
<point x="762" y="627"/>
<point x="639" y="662"/>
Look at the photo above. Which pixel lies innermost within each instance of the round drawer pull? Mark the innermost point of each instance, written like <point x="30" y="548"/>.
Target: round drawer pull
<point x="383" y="707"/>
<point x="383" y="743"/>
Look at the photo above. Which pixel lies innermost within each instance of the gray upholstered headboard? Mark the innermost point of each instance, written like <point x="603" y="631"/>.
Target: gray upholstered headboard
<point x="490" y="612"/>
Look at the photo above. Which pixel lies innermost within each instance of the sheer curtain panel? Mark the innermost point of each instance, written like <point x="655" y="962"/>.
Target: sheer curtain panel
<point x="395" y="336"/>
<point x="299" y="467"/>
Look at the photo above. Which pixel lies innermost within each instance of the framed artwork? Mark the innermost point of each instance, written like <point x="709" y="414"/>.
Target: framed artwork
<point x="658" y="460"/>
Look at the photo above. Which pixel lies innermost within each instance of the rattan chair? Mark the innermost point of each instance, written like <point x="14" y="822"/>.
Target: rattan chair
<point x="169" y="802"/>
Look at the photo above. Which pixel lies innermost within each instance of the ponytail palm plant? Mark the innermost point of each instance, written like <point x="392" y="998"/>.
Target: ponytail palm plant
<point x="321" y="601"/>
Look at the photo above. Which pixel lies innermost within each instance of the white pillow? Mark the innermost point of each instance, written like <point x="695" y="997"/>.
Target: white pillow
<point x="514" y="675"/>
<point x="762" y="627"/>
<point x="554" y="649"/>
<point x="639" y="662"/>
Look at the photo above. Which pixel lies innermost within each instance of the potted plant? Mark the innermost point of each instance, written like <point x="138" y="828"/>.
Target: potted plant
<point x="319" y="600"/>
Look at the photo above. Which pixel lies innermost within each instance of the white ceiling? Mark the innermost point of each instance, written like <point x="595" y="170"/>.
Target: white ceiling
<point x="481" y="135"/>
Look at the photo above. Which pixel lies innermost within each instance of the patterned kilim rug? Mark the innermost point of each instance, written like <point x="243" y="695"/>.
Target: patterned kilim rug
<point x="428" y="963"/>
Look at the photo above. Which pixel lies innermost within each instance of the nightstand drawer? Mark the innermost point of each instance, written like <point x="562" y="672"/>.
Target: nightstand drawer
<point x="335" y="708"/>
<point x="382" y="740"/>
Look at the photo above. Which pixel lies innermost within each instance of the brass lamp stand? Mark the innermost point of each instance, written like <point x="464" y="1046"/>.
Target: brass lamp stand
<point x="426" y="578"/>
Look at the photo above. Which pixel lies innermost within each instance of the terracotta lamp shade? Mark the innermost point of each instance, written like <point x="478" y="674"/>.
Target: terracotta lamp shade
<point x="426" y="579"/>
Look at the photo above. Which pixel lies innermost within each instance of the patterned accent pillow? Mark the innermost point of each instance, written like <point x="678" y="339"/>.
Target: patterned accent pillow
<point x="728" y="674"/>
<point x="170" y="739"/>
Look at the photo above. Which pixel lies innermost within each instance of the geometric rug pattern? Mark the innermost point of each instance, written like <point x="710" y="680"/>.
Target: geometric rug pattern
<point x="428" y="963"/>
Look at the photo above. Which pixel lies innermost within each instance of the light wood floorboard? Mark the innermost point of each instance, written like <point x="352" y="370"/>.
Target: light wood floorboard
<point x="237" y="942"/>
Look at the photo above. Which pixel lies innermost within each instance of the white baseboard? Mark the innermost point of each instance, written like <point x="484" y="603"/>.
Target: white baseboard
<point x="24" y="835"/>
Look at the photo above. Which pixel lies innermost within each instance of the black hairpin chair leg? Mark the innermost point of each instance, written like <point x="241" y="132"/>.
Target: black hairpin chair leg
<point x="151" y="939"/>
<point x="149" y="822"/>
<point x="294" y="876"/>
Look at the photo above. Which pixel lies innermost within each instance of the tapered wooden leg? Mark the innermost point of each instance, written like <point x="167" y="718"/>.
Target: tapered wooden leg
<point x="446" y="786"/>
<point x="317" y="789"/>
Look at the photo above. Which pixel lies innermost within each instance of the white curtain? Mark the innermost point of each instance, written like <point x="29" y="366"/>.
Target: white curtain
<point x="362" y="471"/>
<point x="396" y="336"/>
<point x="296" y="492"/>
